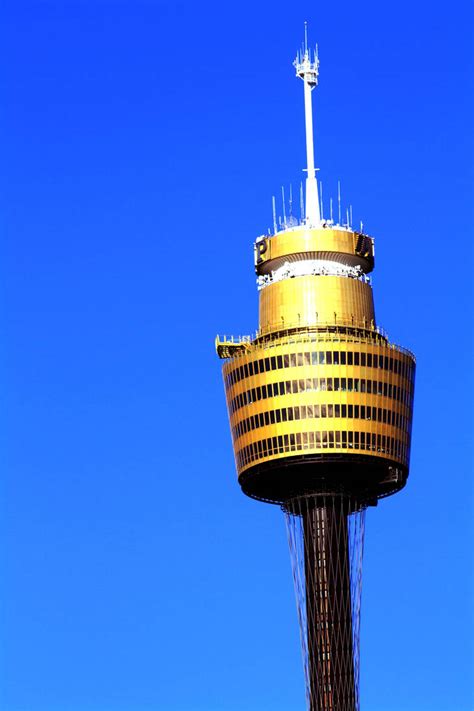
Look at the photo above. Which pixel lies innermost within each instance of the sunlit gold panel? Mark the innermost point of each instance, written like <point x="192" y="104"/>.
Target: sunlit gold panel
<point x="311" y="300"/>
<point x="307" y="243"/>
<point x="298" y="391"/>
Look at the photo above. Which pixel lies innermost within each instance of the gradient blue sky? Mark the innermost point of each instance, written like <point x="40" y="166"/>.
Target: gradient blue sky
<point x="142" y="142"/>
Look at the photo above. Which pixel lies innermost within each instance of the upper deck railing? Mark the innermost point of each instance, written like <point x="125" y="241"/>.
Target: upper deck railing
<point x="229" y="346"/>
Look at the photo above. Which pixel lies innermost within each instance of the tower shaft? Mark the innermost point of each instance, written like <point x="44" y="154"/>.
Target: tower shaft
<point x="328" y="608"/>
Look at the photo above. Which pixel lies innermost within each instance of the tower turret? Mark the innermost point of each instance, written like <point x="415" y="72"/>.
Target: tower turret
<point x="320" y="405"/>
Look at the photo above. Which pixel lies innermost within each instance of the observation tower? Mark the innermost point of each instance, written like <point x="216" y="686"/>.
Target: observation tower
<point x="320" y="406"/>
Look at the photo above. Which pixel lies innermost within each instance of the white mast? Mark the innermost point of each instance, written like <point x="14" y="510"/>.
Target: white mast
<point x="307" y="68"/>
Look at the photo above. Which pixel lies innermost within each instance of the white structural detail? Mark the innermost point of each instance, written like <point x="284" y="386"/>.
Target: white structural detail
<point x="307" y="69"/>
<point x="314" y="267"/>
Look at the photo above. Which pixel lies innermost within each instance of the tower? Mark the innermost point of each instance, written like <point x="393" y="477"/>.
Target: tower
<point x="320" y="406"/>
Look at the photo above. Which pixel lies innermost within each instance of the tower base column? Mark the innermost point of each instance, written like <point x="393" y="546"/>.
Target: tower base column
<point x="328" y="561"/>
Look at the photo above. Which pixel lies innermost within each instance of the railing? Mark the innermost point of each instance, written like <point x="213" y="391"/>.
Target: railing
<point x="297" y="333"/>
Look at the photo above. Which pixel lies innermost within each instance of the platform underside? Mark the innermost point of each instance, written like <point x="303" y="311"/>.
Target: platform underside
<point x="366" y="476"/>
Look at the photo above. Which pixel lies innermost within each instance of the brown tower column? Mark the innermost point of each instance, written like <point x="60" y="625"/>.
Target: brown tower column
<point x="328" y="604"/>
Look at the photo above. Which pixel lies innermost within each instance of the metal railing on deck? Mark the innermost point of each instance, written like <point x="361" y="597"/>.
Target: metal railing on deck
<point x="346" y="329"/>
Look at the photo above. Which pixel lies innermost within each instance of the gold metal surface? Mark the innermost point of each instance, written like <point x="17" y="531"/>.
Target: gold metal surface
<point x="337" y="245"/>
<point x="390" y="369"/>
<point x="309" y="300"/>
<point x="319" y="379"/>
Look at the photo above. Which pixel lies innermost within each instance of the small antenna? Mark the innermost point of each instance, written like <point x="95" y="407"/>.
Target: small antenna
<point x="274" y="216"/>
<point x="347" y="217"/>
<point x="301" y="202"/>
<point x="283" y="200"/>
<point x="305" y="37"/>
<point x="291" y="202"/>
<point x="339" y="202"/>
<point x="361" y="226"/>
<point x="330" y="208"/>
<point x="321" y="199"/>
<point x="350" y="213"/>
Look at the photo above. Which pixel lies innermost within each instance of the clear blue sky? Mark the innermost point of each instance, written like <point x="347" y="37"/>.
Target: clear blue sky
<point x="142" y="142"/>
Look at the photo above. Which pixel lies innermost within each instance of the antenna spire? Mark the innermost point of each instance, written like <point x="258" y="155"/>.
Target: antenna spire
<point x="275" y="230"/>
<point x="307" y="69"/>
<point x="283" y="200"/>
<point x="338" y="202"/>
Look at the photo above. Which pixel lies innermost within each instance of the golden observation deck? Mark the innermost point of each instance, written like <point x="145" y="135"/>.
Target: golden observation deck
<point x="318" y="396"/>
